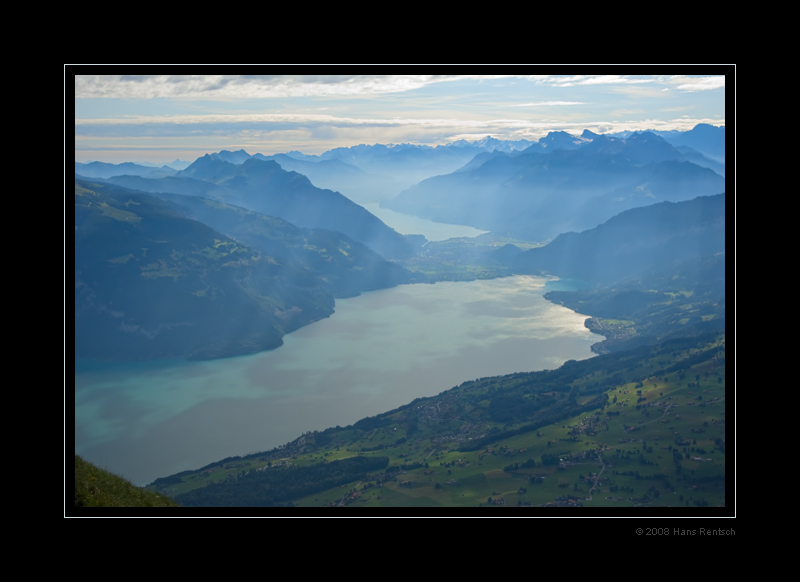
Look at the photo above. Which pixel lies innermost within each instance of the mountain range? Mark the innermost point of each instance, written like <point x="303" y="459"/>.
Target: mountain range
<point x="566" y="184"/>
<point x="657" y="237"/>
<point x="106" y="170"/>
<point x="264" y="187"/>
<point x="230" y="253"/>
<point x="151" y="281"/>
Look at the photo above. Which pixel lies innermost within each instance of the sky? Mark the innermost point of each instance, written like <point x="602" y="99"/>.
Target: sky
<point x="161" y="118"/>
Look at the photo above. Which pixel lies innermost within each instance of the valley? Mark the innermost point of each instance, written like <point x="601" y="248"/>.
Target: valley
<point x="237" y="310"/>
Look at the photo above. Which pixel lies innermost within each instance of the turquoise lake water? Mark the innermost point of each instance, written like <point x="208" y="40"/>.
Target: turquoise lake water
<point x="377" y="352"/>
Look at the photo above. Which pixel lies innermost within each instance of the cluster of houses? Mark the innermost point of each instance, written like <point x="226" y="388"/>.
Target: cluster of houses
<point x="563" y="501"/>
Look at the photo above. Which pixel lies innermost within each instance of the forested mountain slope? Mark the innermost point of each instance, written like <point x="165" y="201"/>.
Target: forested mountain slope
<point x="150" y="283"/>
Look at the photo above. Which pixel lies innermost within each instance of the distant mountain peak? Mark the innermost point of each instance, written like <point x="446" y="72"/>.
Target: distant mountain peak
<point x="208" y="167"/>
<point x="237" y="157"/>
<point x="562" y="140"/>
<point x="643" y="135"/>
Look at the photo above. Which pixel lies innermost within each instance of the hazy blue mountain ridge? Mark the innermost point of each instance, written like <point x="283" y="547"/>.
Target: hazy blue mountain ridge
<point x="335" y="174"/>
<point x="559" y="140"/>
<point x="210" y="167"/>
<point x="408" y="164"/>
<point x="264" y="187"/>
<point x="174" y="185"/>
<point x="637" y="241"/>
<point x="707" y="139"/>
<point x="343" y="266"/>
<point x="236" y="158"/>
<point x="105" y="170"/>
<point x="150" y="283"/>
<point x="536" y="196"/>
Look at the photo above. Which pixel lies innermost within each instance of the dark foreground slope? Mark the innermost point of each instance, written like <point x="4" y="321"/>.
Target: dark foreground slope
<point x="95" y="487"/>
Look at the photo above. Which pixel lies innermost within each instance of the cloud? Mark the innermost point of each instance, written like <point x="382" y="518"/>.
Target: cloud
<point x="261" y="127"/>
<point x="253" y="86"/>
<point x="548" y="104"/>
<point x="577" y="80"/>
<point x="215" y="112"/>
<point x="191" y="123"/>
<point x="698" y="83"/>
<point x="679" y="82"/>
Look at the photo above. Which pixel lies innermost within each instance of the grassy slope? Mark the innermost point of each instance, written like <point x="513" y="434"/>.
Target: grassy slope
<point x="639" y="465"/>
<point x="95" y="487"/>
<point x="629" y="446"/>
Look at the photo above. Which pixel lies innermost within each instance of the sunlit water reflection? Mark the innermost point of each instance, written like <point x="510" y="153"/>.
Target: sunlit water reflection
<point x="378" y="351"/>
<point x="408" y="224"/>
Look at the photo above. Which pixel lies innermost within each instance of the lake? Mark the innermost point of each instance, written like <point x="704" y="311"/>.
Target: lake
<point x="408" y="224"/>
<point x="377" y="352"/>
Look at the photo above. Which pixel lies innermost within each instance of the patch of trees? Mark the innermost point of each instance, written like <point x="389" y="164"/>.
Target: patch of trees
<point x="707" y="478"/>
<point x="375" y="448"/>
<point x="513" y="407"/>
<point x="322" y="438"/>
<point x="373" y="422"/>
<point x="549" y="459"/>
<point x="276" y="485"/>
<point x="216" y="464"/>
<point x="171" y="480"/>
<point x="694" y="359"/>
<point x="529" y="464"/>
<point x="563" y="409"/>
<point x="594" y="389"/>
<point x="405" y="467"/>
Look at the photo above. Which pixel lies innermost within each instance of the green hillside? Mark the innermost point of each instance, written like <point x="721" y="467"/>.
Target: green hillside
<point x="641" y="425"/>
<point x="342" y="266"/>
<point x="151" y="283"/>
<point x="641" y="428"/>
<point x="95" y="487"/>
